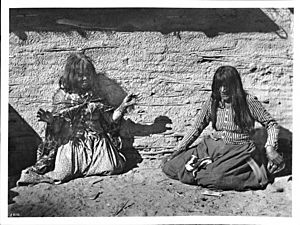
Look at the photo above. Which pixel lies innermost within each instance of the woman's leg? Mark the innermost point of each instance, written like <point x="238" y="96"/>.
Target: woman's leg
<point x="175" y="168"/>
<point x="106" y="158"/>
<point x="230" y="169"/>
<point x="69" y="162"/>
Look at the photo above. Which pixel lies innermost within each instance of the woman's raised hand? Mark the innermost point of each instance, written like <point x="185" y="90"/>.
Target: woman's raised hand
<point x="130" y="100"/>
<point x="44" y="116"/>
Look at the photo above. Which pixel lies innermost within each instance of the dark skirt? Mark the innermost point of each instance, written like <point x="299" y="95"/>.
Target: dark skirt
<point x="233" y="167"/>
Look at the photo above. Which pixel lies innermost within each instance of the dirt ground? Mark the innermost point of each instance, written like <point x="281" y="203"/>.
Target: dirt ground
<point x="145" y="191"/>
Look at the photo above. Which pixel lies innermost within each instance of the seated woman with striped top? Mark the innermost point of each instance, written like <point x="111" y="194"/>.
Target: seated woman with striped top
<point x="227" y="159"/>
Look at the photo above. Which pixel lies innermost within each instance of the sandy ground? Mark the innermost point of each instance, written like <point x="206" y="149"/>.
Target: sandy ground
<point x="145" y="191"/>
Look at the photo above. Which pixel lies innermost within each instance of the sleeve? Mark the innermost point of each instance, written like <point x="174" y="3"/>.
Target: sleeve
<point x="261" y="115"/>
<point x="202" y="120"/>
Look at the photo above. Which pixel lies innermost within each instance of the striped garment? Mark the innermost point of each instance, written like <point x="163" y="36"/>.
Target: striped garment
<point x="227" y="129"/>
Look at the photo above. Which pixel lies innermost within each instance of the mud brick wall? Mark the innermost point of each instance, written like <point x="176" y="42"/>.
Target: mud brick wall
<point x="168" y="56"/>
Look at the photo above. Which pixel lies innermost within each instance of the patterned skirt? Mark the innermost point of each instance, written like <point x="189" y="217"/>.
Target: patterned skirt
<point x="224" y="166"/>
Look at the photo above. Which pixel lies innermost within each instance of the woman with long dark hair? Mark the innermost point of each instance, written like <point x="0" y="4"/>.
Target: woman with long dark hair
<point x="82" y="137"/>
<point x="227" y="158"/>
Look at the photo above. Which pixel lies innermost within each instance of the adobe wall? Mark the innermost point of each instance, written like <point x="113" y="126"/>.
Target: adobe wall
<point x="169" y="66"/>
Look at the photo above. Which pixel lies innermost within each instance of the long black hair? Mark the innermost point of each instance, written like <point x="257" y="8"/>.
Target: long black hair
<point x="229" y="77"/>
<point x="77" y="63"/>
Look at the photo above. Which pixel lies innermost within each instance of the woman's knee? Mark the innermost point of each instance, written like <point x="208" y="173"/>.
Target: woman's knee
<point x="169" y="169"/>
<point x="165" y="166"/>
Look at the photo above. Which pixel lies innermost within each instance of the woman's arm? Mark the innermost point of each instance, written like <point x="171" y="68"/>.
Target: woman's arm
<point x="119" y="113"/>
<point x="129" y="100"/>
<point x="53" y="122"/>
<point x="261" y="115"/>
<point x="61" y="112"/>
<point x="202" y="121"/>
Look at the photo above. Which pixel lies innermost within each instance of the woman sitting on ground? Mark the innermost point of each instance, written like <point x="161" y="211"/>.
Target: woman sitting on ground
<point x="227" y="158"/>
<point x="82" y="129"/>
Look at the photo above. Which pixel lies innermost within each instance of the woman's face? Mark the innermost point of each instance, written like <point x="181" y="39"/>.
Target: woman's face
<point x="225" y="93"/>
<point x="83" y="81"/>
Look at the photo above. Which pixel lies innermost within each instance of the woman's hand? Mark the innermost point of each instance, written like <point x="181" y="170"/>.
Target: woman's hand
<point x="276" y="162"/>
<point x="214" y="135"/>
<point x="129" y="100"/>
<point x="44" y="116"/>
